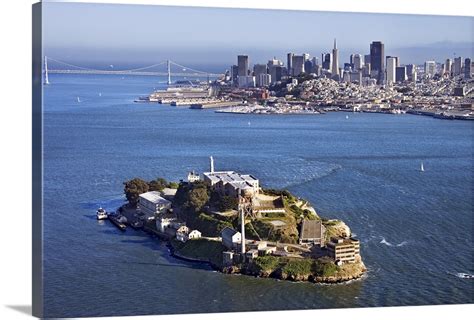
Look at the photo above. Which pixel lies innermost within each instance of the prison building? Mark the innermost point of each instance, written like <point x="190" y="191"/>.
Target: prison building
<point x="344" y="250"/>
<point x="312" y="232"/>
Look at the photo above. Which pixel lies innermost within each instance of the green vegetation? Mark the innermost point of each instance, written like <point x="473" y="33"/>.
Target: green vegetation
<point x="227" y="203"/>
<point x="200" y="249"/>
<point x="192" y="197"/>
<point x="264" y="265"/>
<point x="324" y="267"/>
<point x="133" y="188"/>
<point x="295" y="268"/>
<point x="298" y="268"/>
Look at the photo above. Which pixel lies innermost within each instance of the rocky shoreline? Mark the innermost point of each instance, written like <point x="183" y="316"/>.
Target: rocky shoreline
<point x="279" y="273"/>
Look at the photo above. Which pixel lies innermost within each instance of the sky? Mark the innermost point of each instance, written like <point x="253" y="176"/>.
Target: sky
<point x="103" y="34"/>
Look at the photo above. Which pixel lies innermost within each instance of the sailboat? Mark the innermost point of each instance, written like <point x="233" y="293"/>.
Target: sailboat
<point x="422" y="169"/>
<point x="79" y="100"/>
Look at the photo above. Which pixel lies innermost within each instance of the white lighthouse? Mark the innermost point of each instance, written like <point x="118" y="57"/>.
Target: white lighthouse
<point x="211" y="159"/>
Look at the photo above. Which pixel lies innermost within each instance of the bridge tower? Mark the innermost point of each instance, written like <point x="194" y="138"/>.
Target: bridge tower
<point x="169" y="71"/>
<point x="46" y="78"/>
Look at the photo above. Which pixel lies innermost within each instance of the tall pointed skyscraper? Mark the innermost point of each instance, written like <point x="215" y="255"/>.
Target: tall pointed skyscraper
<point x="335" y="61"/>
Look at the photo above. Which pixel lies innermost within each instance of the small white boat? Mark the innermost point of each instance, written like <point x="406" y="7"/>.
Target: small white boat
<point x="347" y="117"/>
<point x="101" y="214"/>
<point x="422" y="168"/>
<point x="78" y="100"/>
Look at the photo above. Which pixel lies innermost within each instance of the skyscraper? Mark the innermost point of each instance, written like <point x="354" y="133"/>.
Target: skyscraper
<point x="275" y="73"/>
<point x="297" y="63"/>
<point x="234" y="73"/>
<point x="448" y="66"/>
<point x="357" y="61"/>
<point x="457" y="66"/>
<point x="259" y="71"/>
<point x="401" y="74"/>
<point x="467" y="68"/>
<point x="377" y="54"/>
<point x="391" y="69"/>
<point x="289" y="63"/>
<point x="430" y="68"/>
<point x="411" y="72"/>
<point x="326" y="61"/>
<point x="243" y="64"/>
<point x="335" y="61"/>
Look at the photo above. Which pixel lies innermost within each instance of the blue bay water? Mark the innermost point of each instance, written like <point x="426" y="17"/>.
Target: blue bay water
<point x="416" y="228"/>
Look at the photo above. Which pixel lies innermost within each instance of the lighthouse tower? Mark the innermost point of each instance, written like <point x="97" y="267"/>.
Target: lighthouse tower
<point x="211" y="160"/>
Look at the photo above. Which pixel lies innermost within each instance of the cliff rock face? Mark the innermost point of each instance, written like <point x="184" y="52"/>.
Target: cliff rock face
<point x="336" y="228"/>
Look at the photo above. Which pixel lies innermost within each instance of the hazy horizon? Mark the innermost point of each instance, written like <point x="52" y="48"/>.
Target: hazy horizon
<point x="102" y="34"/>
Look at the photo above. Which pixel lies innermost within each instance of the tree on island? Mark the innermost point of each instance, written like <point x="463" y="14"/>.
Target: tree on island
<point x="133" y="188"/>
<point x="158" y="185"/>
<point x="198" y="197"/>
<point x="227" y="203"/>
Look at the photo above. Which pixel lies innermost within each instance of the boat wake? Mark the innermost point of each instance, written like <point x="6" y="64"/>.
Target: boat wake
<point x="385" y="242"/>
<point x="462" y="275"/>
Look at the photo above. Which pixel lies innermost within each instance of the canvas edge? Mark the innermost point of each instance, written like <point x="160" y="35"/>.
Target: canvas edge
<point x="37" y="163"/>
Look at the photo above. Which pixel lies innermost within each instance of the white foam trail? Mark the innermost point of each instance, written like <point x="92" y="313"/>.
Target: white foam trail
<point x="385" y="242"/>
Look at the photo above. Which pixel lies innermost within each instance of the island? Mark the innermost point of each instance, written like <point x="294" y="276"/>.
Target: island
<point x="226" y="219"/>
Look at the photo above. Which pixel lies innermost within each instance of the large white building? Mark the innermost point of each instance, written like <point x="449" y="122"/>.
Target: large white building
<point x="391" y="69"/>
<point x="230" y="182"/>
<point x="152" y="204"/>
<point x="430" y="68"/>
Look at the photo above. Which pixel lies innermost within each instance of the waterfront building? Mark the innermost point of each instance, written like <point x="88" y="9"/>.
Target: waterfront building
<point x="326" y="59"/>
<point x="152" y="204"/>
<point x="457" y="66"/>
<point x="231" y="238"/>
<point x="312" y="232"/>
<point x="166" y="221"/>
<point x="194" y="234"/>
<point x="335" y="61"/>
<point x="377" y="54"/>
<point x="401" y="74"/>
<point x="243" y="65"/>
<point x="467" y="68"/>
<point x="391" y="70"/>
<point x="430" y="69"/>
<point x="182" y="234"/>
<point x="448" y="65"/>
<point x="289" y="63"/>
<point x="344" y="250"/>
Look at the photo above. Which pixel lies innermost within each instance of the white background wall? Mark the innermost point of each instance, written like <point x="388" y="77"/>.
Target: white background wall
<point x="15" y="126"/>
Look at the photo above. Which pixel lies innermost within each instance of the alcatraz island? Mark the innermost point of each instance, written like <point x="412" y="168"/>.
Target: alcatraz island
<point x="228" y="220"/>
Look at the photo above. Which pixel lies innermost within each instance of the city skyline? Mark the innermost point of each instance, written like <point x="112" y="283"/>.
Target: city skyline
<point x="150" y="35"/>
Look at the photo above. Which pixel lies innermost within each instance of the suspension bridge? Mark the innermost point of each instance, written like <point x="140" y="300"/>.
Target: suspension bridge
<point x="170" y="68"/>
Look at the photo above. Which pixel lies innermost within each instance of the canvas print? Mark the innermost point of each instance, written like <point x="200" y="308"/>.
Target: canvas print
<point x="197" y="160"/>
